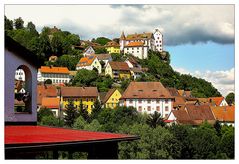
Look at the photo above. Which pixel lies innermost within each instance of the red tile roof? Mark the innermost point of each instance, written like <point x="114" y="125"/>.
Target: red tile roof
<point x="146" y="35"/>
<point x="79" y="92"/>
<point x="217" y="100"/>
<point x="146" y="90"/>
<point x="86" y="61"/>
<point x="119" y="66"/>
<point x="60" y="70"/>
<point x="51" y="102"/>
<point x="40" y="135"/>
<point x="135" y="44"/>
<point x="45" y="91"/>
<point x="224" y="113"/>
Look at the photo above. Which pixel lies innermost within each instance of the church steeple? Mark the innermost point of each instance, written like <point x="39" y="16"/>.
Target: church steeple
<point x="122" y="37"/>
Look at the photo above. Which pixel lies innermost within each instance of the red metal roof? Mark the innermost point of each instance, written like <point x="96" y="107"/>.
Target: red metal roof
<point x="33" y="135"/>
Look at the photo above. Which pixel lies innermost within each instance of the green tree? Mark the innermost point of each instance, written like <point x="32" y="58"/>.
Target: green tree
<point x="71" y="113"/>
<point x="84" y="77"/>
<point x="56" y="43"/>
<point x="93" y="126"/>
<point x="32" y="29"/>
<point x="43" y="112"/>
<point x="8" y="24"/>
<point x="79" y="123"/>
<point x="19" y="23"/>
<point x="83" y="112"/>
<point x="155" y="119"/>
<point x="101" y="40"/>
<point x="50" y="121"/>
<point x="230" y="98"/>
<point x="95" y="110"/>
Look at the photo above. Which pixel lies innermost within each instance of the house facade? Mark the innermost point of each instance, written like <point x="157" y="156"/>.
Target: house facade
<point x="104" y="57"/>
<point x="88" y="51"/>
<point x="112" y="47"/>
<point x="148" y="97"/>
<point x="111" y="99"/>
<point x="117" y="70"/>
<point x="137" y="49"/>
<point x="158" y="38"/>
<point x="79" y="95"/>
<point x="89" y="63"/>
<point x="57" y="75"/>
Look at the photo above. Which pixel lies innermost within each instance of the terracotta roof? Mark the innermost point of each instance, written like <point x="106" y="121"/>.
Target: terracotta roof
<point x="103" y="56"/>
<point x="188" y="93"/>
<point x="173" y="91"/>
<point x="112" y="44"/>
<point x="203" y="100"/>
<point x="217" y="100"/>
<point x="86" y="61"/>
<point x="146" y="90"/>
<point x="224" y="113"/>
<point x="45" y="91"/>
<point x="136" y="36"/>
<point x="108" y="94"/>
<point x="50" y="102"/>
<point x="182" y="116"/>
<point x="79" y="92"/>
<point x="133" y="61"/>
<point x="199" y="112"/>
<point x="135" y="44"/>
<point x="181" y="92"/>
<point x="179" y="101"/>
<point x="46" y="69"/>
<point x="121" y="66"/>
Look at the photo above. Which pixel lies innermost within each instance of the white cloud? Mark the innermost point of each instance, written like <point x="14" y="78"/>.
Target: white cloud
<point x="180" y="24"/>
<point x="224" y="81"/>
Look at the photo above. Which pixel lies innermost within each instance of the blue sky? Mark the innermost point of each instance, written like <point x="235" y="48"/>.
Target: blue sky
<point x="202" y="56"/>
<point x="200" y="38"/>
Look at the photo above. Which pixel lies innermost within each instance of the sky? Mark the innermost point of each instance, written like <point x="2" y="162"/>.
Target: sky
<point x="199" y="38"/>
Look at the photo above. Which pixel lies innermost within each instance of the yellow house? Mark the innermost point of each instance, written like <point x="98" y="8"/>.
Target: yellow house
<point x="111" y="99"/>
<point x="112" y="47"/>
<point x="118" y="70"/>
<point x="85" y="95"/>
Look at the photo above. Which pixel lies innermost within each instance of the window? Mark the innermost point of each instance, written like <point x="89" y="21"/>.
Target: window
<point x="149" y="101"/>
<point x="157" y="101"/>
<point x="91" y="106"/>
<point x="158" y="108"/>
<point x="127" y="48"/>
<point x="166" y="115"/>
<point x="112" y="99"/>
<point x="87" y="101"/>
<point x="140" y="108"/>
<point x="158" y="37"/>
<point x="140" y="101"/>
<point x="149" y="108"/>
<point x="166" y="101"/>
<point x="59" y="81"/>
<point x="56" y="81"/>
<point x="156" y="41"/>
<point x="91" y="100"/>
<point x="166" y="108"/>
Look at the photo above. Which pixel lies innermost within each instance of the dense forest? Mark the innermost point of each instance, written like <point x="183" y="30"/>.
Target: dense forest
<point x="53" y="41"/>
<point x="157" y="140"/>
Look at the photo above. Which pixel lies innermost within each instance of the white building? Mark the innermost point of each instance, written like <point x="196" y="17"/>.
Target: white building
<point x="19" y="75"/>
<point x="150" y="41"/>
<point x="158" y="38"/>
<point x="148" y="97"/>
<point x="89" y="63"/>
<point x="88" y="51"/>
<point x="57" y="75"/>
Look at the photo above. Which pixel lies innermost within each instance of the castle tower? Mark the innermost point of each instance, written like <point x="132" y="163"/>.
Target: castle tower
<point x="122" y="41"/>
<point x="158" y="37"/>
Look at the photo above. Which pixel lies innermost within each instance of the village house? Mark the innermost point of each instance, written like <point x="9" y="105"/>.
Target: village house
<point x="139" y="44"/>
<point x="117" y="70"/>
<point x="52" y="103"/>
<point x="45" y="91"/>
<point x="112" y="47"/>
<point x="192" y="115"/>
<point x="111" y="99"/>
<point x="104" y="57"/>
<point x="179" y="101"/>
<point x="88" y="51"/>
<point x="79" y="95"/>
<point x="20" y="75"/>
<point x="219" y="101"/>
<point x="148" y="97"/>
<point x="224" y="114"/>
<point x="58" y="75"/>
<point x="89" y="63"/>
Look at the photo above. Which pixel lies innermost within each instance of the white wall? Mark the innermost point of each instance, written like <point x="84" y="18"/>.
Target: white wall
<point x="55" y="78"/>
<point x="12" y="63"/>
<point x="153" y="104"/>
